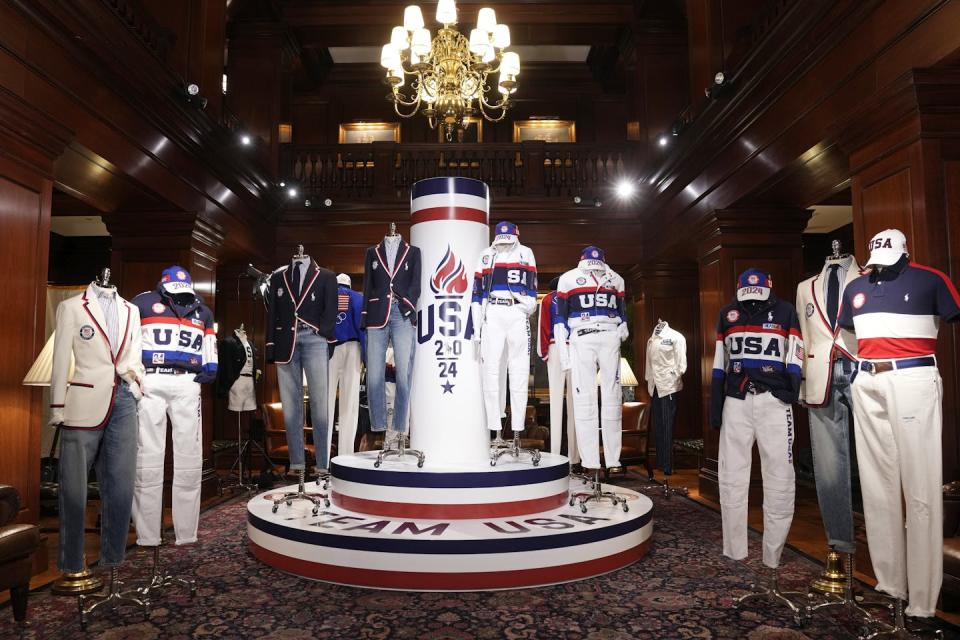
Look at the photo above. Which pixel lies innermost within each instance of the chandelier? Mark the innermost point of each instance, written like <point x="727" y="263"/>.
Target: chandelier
<point x="450" y="77"/>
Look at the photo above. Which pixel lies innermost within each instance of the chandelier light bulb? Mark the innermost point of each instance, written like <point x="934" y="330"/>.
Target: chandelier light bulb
<point x="420" y="42"/>
<point x="396" y="77"/>
<point x="479" y="42"/>
<point x="389" y="57"/>
<point x="487" y="20"/>
<point x="446" y="12"/>
<point x="501" y="36"/>
<point x="398" y="38"/>
<point x="510" y="65"/>
<point x="412" y="18"/>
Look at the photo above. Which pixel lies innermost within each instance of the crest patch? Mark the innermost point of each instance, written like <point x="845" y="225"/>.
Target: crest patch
<point x="86" y="332"/>
<point x="808" y="310"/>
<point x="157" y="307"/>
<point x="733" y="315"/>
<point x="859" y="300"/>
<point x="581" y="281"/>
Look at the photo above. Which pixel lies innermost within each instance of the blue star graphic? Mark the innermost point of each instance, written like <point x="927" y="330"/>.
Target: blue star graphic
<point x="447" y="387"/>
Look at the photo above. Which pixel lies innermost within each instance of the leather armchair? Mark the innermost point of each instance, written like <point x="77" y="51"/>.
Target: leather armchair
<point x="635" y="448"/>
<point x="277" y="447"/>
<point x="534" y="436"/>
<point x="17" y="545"/>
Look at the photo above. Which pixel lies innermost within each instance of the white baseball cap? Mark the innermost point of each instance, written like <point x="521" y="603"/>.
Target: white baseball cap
<point x="343" y="279"/>
<point x="887" y="247"/>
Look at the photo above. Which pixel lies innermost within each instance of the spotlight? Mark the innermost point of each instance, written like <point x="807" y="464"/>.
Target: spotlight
<point x="292" y="192"/>
<point x="245" y="139"/>
<point x="193" y="89"/>
<point x="596" y="202"/>
<point x="577" y="199"/>
<point x="625" y="189"/>
<point x="282" y="184"/>
<point x="327" y="202"/>
<point x="663" y="140"/>
<point x="191" y="94"/>
<point x="306" y="202"/>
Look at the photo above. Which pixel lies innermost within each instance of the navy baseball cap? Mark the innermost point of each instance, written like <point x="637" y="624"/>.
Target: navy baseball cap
<point x="176" y="280"/>
<point x="592" y="253"/>
<point x="754" y="284"/>
<point x="506" y="232"/>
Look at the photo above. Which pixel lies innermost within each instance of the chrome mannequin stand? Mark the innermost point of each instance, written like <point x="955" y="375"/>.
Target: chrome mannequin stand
<point x="323" y="479"/>
<point x="597" y="493"/>
<point x="113" y="600"/>
<point x="514" y="449"/>
<point x="300" y="494"/>
<point x="238" y="482"/>
<point x="665" y="489"/>
<point x="774" y="595"/>
<point x="899" y="629"/>
<point x="846" y="600"/>
<point x="160" y="580"/>
<point x="400" y="451"/>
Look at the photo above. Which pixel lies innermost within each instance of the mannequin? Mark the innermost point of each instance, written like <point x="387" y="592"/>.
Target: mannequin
<point x="237" y="371"/>
<point x="101" y="331"/>
<point x="301" y="312"/>
<point x="590" y="313"/>
<point x="391" y="290"/>
<point x="751" y="397"/>
<point x="897" y="403"/>
<point x="504" y="296"/>
<point x="346" y="355"/>
<point x="666" y="363"/>
<point x="559" y="380"/>
<point x="827" y="371"/>
<point x="179" y="354"/>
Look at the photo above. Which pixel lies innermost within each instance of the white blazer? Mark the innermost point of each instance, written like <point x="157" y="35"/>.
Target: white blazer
<point x="819" y="339"/>
<point x="81" y="329"/>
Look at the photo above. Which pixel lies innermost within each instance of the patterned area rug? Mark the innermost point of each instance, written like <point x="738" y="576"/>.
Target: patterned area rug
<point x="682" y="589"/>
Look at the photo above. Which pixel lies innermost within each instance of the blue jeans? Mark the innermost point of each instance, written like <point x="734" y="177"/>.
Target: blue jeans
<point x="114" y="450"/>
<point x="830" y="441"/>
<point x="401" y="332"/>
<point x="311" y="357"/>
<point x="664" y="416"/>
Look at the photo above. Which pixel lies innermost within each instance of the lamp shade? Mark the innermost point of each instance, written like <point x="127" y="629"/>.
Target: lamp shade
<point x="412" y="18"/>
<point x="398" y="38"/>
<point x="627" y="377"/>
<point x="42" y="369"/>
<point x="446" y="12"/>
<point x="420" y="42"/>
<point x="501" y="36"/>
<point x="389" y="57"/>
<point x="510" y="64"/>
<point x="487" y="20"/>
<point x="479" y="42"/>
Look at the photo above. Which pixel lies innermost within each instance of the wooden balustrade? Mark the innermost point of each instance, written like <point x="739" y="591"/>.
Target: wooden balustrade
<point x="385" y="170"/>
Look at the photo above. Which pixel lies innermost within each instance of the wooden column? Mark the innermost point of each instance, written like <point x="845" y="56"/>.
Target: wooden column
<point x="669" y="291"/>
<point x="905" y="169"/>
<point x="29" y="143"/>
<point x="728" y="242"/>
<point x="144" y="244"/>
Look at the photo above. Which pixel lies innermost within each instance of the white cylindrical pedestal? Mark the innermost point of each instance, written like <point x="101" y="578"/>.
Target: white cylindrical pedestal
<point x="449" y="219"/>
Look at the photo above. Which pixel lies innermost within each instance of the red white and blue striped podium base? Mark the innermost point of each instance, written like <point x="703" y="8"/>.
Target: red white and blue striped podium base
<point x="449" y="529"/>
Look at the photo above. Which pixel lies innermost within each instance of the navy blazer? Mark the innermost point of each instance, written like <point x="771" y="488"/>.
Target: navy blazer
<point x="316" y="307"/>
<point x="380" y="284"/>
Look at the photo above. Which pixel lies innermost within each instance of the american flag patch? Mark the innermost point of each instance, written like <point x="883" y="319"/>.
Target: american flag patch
<point x="343" y="302"/>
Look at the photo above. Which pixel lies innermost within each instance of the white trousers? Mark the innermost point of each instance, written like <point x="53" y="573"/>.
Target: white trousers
<point x="588" y="354"/>
<point x="176" y="397"/>
<point x="768" y="421"/>
<point x="505" y="326"/>
<point x="560" y="387"/>
<point x="344" y="371"/>
<point x="898" y="422"/>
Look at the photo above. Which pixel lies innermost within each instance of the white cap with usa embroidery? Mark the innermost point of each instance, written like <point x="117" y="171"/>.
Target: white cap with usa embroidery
<point x="886" y="248"/>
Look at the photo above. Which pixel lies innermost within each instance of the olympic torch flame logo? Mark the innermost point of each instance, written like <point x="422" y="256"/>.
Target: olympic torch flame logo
<point x="450" y="277"/>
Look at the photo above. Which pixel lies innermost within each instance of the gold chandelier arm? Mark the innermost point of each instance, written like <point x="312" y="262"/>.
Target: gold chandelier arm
<point x="503" y="106"/>
<point x="415" y="104"/>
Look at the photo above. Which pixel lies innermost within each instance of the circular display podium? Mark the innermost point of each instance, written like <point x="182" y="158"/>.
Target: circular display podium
<point x="471" y="527"/>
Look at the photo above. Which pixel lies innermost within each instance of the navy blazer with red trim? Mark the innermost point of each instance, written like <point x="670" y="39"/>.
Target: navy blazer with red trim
<point x="379" y="283"/>
<point x="315" y="306"/>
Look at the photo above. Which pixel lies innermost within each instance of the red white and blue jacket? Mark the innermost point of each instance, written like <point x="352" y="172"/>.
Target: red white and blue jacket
<point x="896" y="311"/>
<point x="349" y="326"/>
<point x="758" y="343"/>
<point x="590" y="299"/>
<point x="509" y="275"/>
<point x="177" y="336"/>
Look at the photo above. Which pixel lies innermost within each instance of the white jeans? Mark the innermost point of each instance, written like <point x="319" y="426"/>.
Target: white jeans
<point x="178" y="397"/>
<point x="559" y="381"/>
<point x="898" y="422"/>
<point x="588" y="353"/>
<point x="505" y="325"/>
<point x="768" y="421"/>
<point x="344" y="370"/>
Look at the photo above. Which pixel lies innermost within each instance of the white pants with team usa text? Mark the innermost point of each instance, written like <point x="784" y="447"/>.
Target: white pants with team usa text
<point x="898" y="421"/>
<point x="178" y="397"/>
<point x="506" y="334"/>
<point x="588" y="354"/>
<point x="768" y="421"/>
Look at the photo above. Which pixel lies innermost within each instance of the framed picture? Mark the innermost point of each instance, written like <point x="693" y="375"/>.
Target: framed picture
<point x="547" y="130"/>
<point x="367" y="132"/>
<point x="472" y="131"/>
